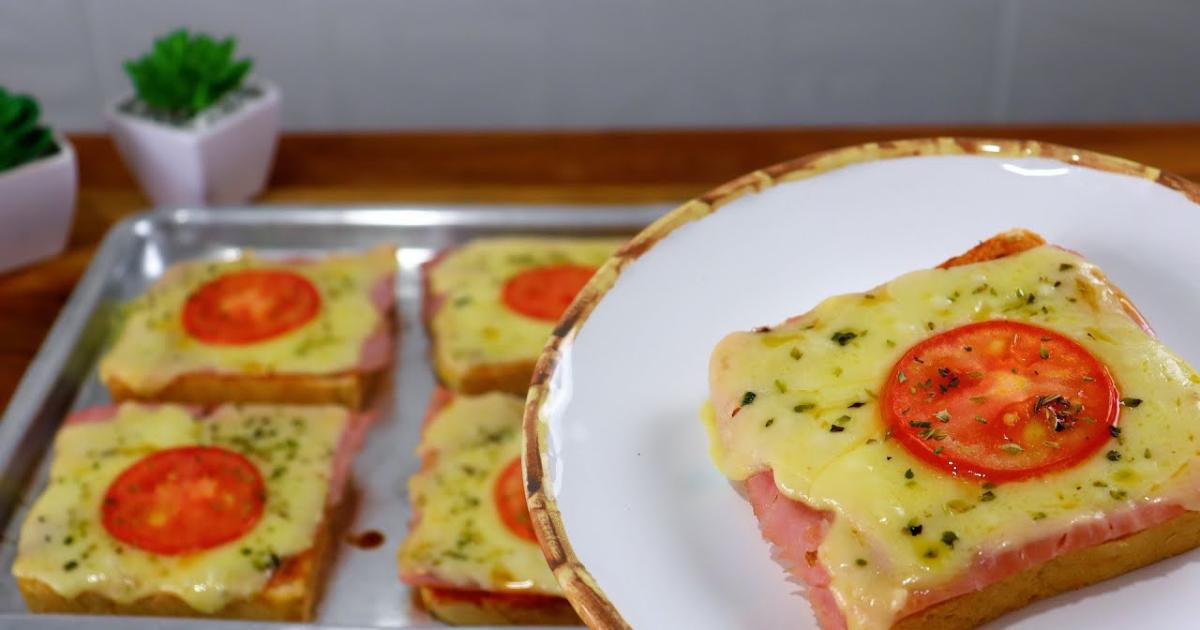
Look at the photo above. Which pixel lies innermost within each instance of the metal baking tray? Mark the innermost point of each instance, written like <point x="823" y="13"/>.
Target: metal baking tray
<point x="362" y="589"/>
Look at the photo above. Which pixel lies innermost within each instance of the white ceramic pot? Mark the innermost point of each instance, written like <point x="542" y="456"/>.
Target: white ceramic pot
<point x="37" y="202"/>
<point x="222" y="162"/>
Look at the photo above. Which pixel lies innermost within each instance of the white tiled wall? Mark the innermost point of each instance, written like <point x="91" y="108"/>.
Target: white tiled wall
<point x="413" y="64"/>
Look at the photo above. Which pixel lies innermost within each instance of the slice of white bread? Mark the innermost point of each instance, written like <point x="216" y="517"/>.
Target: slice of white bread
<point x="1067" y="572"/>
<point x="70" y="560"/>
<point x="1051" y="567"/>
<point x="482" y="608"/>
<point x="479" y="343"/>
<point x="464" y="555"/>
<point x="291" y="594"/>
<point x="354" y="390"/>
<point x="338" y="356"/>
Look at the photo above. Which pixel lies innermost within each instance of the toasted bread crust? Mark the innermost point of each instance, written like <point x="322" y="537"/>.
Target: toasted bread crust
<point x="1004" y="244"/>
<point x="512" y="377"/>
<point x="352" y="390"/>
<point x="1067" y="572"/>
<point x="291" y="595"/>
<point x="477" y="608"/>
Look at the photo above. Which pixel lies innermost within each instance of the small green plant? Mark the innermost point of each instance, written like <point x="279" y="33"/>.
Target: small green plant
<point x="22" y="138"/>
<point x="184" y="74"/>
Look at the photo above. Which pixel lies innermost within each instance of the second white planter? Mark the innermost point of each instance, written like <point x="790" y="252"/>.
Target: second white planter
<point x="37" y="203"/>
<point x="223" y="162"/>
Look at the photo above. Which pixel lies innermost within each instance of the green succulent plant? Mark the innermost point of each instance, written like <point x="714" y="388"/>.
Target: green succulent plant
<point x="184" y="74"/>
<point x="22" y="138"/>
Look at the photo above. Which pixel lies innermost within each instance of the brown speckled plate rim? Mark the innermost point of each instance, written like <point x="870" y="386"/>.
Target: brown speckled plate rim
<point x="577" y="583"/>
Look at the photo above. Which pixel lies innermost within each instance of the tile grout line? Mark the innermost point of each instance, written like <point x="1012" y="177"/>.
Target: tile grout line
<point x="1002" y="70"/>
<point x="89" y="24"/>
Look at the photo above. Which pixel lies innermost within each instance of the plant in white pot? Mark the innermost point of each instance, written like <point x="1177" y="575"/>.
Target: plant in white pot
<point x="37" y="184"/>
<point x="196" y="131"/>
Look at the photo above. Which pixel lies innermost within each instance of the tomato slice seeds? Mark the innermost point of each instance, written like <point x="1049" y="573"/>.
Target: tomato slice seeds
<point x="545" y="292"/>
<point x="184" y="500"/>
<point x="249" y="306"/>
<point x="1000" y="400"/>
<point x="509" y="495"/>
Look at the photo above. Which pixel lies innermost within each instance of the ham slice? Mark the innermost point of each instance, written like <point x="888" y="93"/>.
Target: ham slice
<point x="796" y="531"/>
<point x="377" y="349"/>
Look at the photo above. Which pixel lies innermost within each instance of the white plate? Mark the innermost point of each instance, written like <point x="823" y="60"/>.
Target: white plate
<point x="638" y="523"/>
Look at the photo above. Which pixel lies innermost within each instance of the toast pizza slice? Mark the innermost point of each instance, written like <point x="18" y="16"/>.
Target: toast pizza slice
<point x="254" y="330"/>
<point x="491" y="304"/>
<point x="471" y="551"/>
<point x="961" y="441"/>
<point x="167" y="510"/>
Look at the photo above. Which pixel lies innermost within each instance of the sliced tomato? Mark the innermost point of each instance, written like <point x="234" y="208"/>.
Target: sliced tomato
<point x="509" y="494"/>
<point x="545" y="292"/>
<point x="1000" y="400"/>
<point x="184" y="500"/>
<point x="249" y="306"/>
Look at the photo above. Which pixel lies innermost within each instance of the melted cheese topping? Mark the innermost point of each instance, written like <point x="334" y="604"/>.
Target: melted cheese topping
<point x="473" y="326"/>
<point x="153" y="348"/>
<point x="459" y="538"/>
<point x="65" y="545"/>
<point x="804" y="382"/>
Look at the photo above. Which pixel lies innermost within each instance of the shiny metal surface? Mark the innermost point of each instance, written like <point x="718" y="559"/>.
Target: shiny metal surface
<point x="362" y="589"/>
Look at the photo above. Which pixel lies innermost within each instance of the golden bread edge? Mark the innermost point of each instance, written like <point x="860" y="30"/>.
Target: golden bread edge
<point x="352" y="390"/>
<point x="291" y="595"/>
<point x="482" y="609"/>
<point x="476" y="608"/>
<point x="1067" y="572"/>
<point x="511" y="377"/>
<point x="479" y="378"/>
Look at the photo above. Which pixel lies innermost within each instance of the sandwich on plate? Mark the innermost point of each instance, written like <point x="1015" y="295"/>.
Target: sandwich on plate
<point x="961" y="441"/>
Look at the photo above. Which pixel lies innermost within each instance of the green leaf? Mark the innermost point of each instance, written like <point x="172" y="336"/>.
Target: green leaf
<point x="200" y="98"/>
<point x="27" y="112"/>
<point x="22" y="138"/>
<point x="185" y="74"/>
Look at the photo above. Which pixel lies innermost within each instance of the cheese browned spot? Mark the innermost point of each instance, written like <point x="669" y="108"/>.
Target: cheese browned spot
<point x="153" y="347"/>
<point x="64" y="544"/>
<point x="900" y="522"/>
<point x="459" y="539"/>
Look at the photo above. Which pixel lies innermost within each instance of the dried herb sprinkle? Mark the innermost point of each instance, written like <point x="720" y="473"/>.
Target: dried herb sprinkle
<point x="843" y="337"/>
